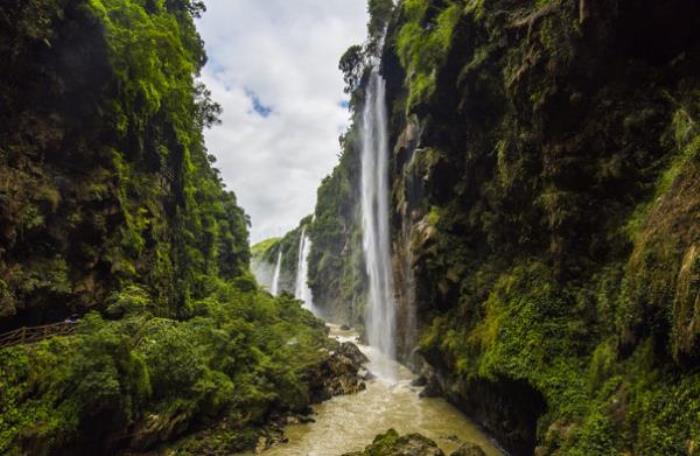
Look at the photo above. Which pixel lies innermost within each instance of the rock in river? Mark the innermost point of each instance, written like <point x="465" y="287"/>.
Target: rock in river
<point x="391" y="444"/>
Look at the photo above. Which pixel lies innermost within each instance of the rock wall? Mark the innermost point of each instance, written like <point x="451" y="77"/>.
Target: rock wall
<point x="544" y="170"/>
<point x="104" y="178"/>
<point x="545" y="179"/>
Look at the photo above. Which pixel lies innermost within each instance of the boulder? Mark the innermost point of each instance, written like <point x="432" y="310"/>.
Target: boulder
<point x="391" y="444"/>
<point x="352" y="352"/>
<point x="340" y="373"/>
<point x="469" y="449"/>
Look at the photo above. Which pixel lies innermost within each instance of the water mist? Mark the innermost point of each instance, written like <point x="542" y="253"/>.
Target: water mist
<point x="380" y="318"/>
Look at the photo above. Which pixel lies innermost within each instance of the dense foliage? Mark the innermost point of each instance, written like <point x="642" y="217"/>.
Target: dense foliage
<point x="143" y="380"/>
<point x="545" y="194"/>
<point x="105" y="180"/>
<point x="336" y="262"/>
<point x="553" y="240"/>
<point x="110" y="208"/>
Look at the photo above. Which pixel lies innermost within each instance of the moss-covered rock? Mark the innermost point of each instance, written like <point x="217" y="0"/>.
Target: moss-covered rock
<point x="104" y="177"/>
<point x="391" y="444"/>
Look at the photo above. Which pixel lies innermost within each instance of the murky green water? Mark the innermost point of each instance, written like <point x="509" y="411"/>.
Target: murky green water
<point x="349" y="423"/>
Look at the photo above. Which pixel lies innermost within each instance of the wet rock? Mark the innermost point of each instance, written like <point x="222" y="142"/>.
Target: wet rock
<point x="340" y="373"/>
<point x="391" y="444"/>
<point x="469" y="449"/>
<point x="306" y="419"/>
<point x="345" y="328"/>
<point x="300" y="419"/>
<point x="154" y="429"/>
<point x="366" y="375"/>
<point x="432" y="389"/>
<point x="269" y="438"/>
<point x="351" y="351"/>
<point x="419" y="381"/>
<point x="430" y="380"/>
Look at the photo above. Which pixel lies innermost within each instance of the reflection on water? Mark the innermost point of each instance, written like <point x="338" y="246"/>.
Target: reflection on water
<point x="349" y="423"/>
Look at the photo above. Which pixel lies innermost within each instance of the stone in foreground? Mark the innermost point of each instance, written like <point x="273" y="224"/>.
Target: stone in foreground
<point x="391" y="444"/>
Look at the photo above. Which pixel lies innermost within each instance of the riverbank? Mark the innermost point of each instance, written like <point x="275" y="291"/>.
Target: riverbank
<point x="350" y="422"/>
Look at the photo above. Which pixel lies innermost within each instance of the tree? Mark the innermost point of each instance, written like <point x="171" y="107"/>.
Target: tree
<point x="351" y="64"/>
<point x="379" y="14"/>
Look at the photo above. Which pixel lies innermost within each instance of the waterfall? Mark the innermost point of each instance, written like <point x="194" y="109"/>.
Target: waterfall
<point x="276" y="277"/>
<point x="301" y="290"/>
<point x="380" y="319"/>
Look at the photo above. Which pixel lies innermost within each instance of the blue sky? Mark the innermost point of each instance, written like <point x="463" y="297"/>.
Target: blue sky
<point x="273" y="66"/>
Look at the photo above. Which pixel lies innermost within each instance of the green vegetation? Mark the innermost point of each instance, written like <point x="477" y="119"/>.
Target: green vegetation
<point x="143" y="380"/>
<point x="553" y="244"/>
<point x="266" y="252"/>
<point x="336" y="261"/>
<point x="105" y="178"/>
<point x="545" y="182"/>
<point x="423" y="42"/>
<point x="110" y="207"/>
<point x="391" y="444"/>
<point x="262" y="247"/>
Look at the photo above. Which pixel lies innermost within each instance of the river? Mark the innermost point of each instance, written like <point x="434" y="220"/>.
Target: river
<point x="350" y="423"/>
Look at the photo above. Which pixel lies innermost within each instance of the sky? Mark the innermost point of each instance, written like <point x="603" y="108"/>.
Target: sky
<point x="273" y="67"/>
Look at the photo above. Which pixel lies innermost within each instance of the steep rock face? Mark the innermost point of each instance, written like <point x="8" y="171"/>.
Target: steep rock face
<point x="104" y="178"/>
<point x="545" y="215"/>
<point x="265" y="254"/>
<point x="391" y="444"/>
<point x="337" y="274"/>
<point x="110" y="202"/>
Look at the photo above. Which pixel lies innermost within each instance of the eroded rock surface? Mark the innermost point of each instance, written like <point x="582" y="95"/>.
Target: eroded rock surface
<point x="391" y="444"/>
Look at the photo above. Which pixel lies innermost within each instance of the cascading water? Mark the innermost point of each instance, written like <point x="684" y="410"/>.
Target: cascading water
<point x="380" y="319"/>
<point x="276" y="278"/>
<point x="302" y="290"/>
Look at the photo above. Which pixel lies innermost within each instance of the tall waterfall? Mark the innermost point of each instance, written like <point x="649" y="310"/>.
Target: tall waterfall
<point x="276" y="278"/>
<point x="381" y="306"/>
<point x="301" y="290"/>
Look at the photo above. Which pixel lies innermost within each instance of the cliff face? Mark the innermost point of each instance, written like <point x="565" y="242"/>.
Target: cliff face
<point x="110" y="208"/>
<point x="545" y="216"/>
<point x="265" y="254"/>
<point x="337" y="275"/>
<point x="545" y="175"/>
<point x="104" y="179"/>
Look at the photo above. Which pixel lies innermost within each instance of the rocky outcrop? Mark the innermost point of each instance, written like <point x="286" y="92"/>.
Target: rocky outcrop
<point x="469" y="449"/>
<point x="545" y="211"/>
<point x="340" y="373"/>
<point x="391" y="444"/>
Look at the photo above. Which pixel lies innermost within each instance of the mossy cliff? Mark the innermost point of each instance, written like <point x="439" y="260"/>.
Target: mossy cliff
<point x="265" y="253"/>
<point x="110" y="208"/>
<point x="546" y="174"/>
<point x="336" y="276"/>
<point x="104" y="179"/>
<point x="336" y="262"/>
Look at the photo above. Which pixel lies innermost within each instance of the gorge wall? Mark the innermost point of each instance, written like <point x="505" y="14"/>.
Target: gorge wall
<point x="104" y="178"/>
<point x="545" y="198"/>
<point x="111" y="209"/>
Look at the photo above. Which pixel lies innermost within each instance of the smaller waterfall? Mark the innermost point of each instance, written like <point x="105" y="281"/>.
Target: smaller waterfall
<point x="302" y="290"/>
<point x="276" y="278"/>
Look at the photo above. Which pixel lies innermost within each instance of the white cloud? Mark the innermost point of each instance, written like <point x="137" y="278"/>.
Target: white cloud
<point x="285" y="53"/>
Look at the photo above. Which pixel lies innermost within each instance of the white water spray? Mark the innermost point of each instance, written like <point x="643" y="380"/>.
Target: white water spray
<point x="302" y="290"/>
<point x="381" y="306"/>
<point x="276" y="278"/>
